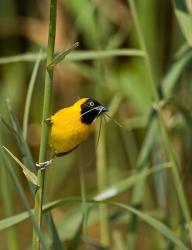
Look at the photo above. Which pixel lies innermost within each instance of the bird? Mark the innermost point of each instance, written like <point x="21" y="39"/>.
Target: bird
<point x="71" y="126"/>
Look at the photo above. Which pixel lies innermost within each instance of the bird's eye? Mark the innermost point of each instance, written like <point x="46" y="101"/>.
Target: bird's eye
<point x="91" y="104"/>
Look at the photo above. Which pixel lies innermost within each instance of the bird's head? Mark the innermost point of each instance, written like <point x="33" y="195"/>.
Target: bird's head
<point x="90" y="110"/>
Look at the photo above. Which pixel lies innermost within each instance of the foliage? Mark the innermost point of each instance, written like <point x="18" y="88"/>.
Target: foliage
<point x="128" y="186"/>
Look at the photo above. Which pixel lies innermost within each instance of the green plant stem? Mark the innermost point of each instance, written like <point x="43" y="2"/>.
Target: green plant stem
<point x="84" y="206"/>
<point x="176" y="180"/>
<point x="45" y="126"/>
<point x="141" y="163"/>
<point x="29" y="95"/>
<point x="6" y="187"/>
<point x="102" y="177"/>
<point x="144" y="49"/>
<point x="137" y="194"/>
<point x="80" y="55"/>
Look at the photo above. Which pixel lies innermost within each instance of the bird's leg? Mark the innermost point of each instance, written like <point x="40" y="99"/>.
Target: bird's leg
<point x="44" y="165"/>
<point x="48" y="121"/>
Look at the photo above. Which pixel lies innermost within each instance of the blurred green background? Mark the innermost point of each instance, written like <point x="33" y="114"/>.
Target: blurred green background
<point x="135" y="58"/>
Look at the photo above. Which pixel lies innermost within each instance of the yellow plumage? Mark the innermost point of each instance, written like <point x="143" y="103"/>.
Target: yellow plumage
<point x="67" y="129"/>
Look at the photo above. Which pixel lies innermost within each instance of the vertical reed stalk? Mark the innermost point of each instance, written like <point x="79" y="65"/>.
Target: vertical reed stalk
<point x="29" y="95"/>
<point x="84" y="206"/>
<point x="177" y="182"/>
<point x="45" y="126"/>
<point x="102" y="177"/>
<point x="7" y="197"/>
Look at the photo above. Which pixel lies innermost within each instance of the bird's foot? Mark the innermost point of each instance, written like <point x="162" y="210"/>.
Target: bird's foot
<point x="44" y="165"/>
<point x="48" y="121"/>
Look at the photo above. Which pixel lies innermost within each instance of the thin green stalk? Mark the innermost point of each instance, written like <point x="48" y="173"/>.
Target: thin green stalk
<point x="7" y="195"/>
<point x="102" y="177"/>
<point x="29" y="95"/>
<point x="138" y="190"/>
<point x="22" y="195"/>
<point x="144" y="49"/>
<point x="45" y="126"/>
<point x="84" y="206"/>
<point x="75" y="56"/>
<point x="177" y="181"/>
<point x="7" y="199"/>
<point x="100" y="151"/>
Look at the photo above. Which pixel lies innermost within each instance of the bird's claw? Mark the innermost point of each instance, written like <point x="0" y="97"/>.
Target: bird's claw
<point x="48" y="121"/>
<point x="44" y="165"/>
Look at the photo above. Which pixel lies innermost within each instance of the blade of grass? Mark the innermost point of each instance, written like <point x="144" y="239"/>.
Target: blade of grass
<point x="123" y="185"/>
<point x="141" y="165"/>
<point x="18" y="218"/>
<point x="160" y="227"/>
<point x="102" y="178"/>
<point x="157" y="225"/>
<point x="6" y="124"/>
<point x="185" y="19"/>
<point x="45" y="127"/>
<point x="114" y="104"/>
<point x="175" y="69"/>
<point x="26" y="57"/>
<point x="150" y="133"/>
<point x="53" y="232"/>
<point x="27" y="159"/>
<point x="84" y="203"/>
<point x="24" y="149"/>
<point x="105" y="195"/>
<point x="8" y="205"/>
<point x="118" y="240"/>
<point x="29" y="95"/>
<point x="23" y="198"/>
<point x="177" y="181"/>
<point x="143" y="48"/>
<point x="76" y="239"/>
<point x="97" y="54"/>
<point x="61" y="56"/>
<point x="28" y="174"/>
<point x="7" y="198"/>
<point x="74" y="56"/>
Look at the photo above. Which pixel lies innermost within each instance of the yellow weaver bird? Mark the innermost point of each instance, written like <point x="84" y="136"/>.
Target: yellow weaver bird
<point x="71" y="126"/>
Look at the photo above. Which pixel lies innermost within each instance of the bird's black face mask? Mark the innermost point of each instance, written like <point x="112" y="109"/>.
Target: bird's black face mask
<point x="90" y="110"/>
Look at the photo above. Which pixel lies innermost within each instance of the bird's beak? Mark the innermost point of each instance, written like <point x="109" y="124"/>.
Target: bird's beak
<point x="102" y="109"/>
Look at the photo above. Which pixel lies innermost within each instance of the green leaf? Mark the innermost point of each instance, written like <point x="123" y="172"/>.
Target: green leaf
<point x="29" y="95"/>
<point x="6" y="124"/>
<point x="17" y="132"/>
<point x="180" y="60"/>
<point x="185" y="20"/>
<point x="57" y="244"/>
<point x="98" y="54"/>
<point x="29" y="175"/>
<point x="76" y="239"/>
<point x="75" y="56"/>
<point x="61" y="56"/>
<point x="128" y="182"/>
<point x="15" y="219"/>
<point x="160" y="227"/>
<point x="27" y="160"/>
<point x="8" y="222"/>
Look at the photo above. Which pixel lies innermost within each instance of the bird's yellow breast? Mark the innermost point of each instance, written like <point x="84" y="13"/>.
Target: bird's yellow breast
<point x="67" y="129"/>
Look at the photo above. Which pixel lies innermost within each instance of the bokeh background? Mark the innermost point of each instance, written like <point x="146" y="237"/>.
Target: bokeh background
<point x="135" y="58"/>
